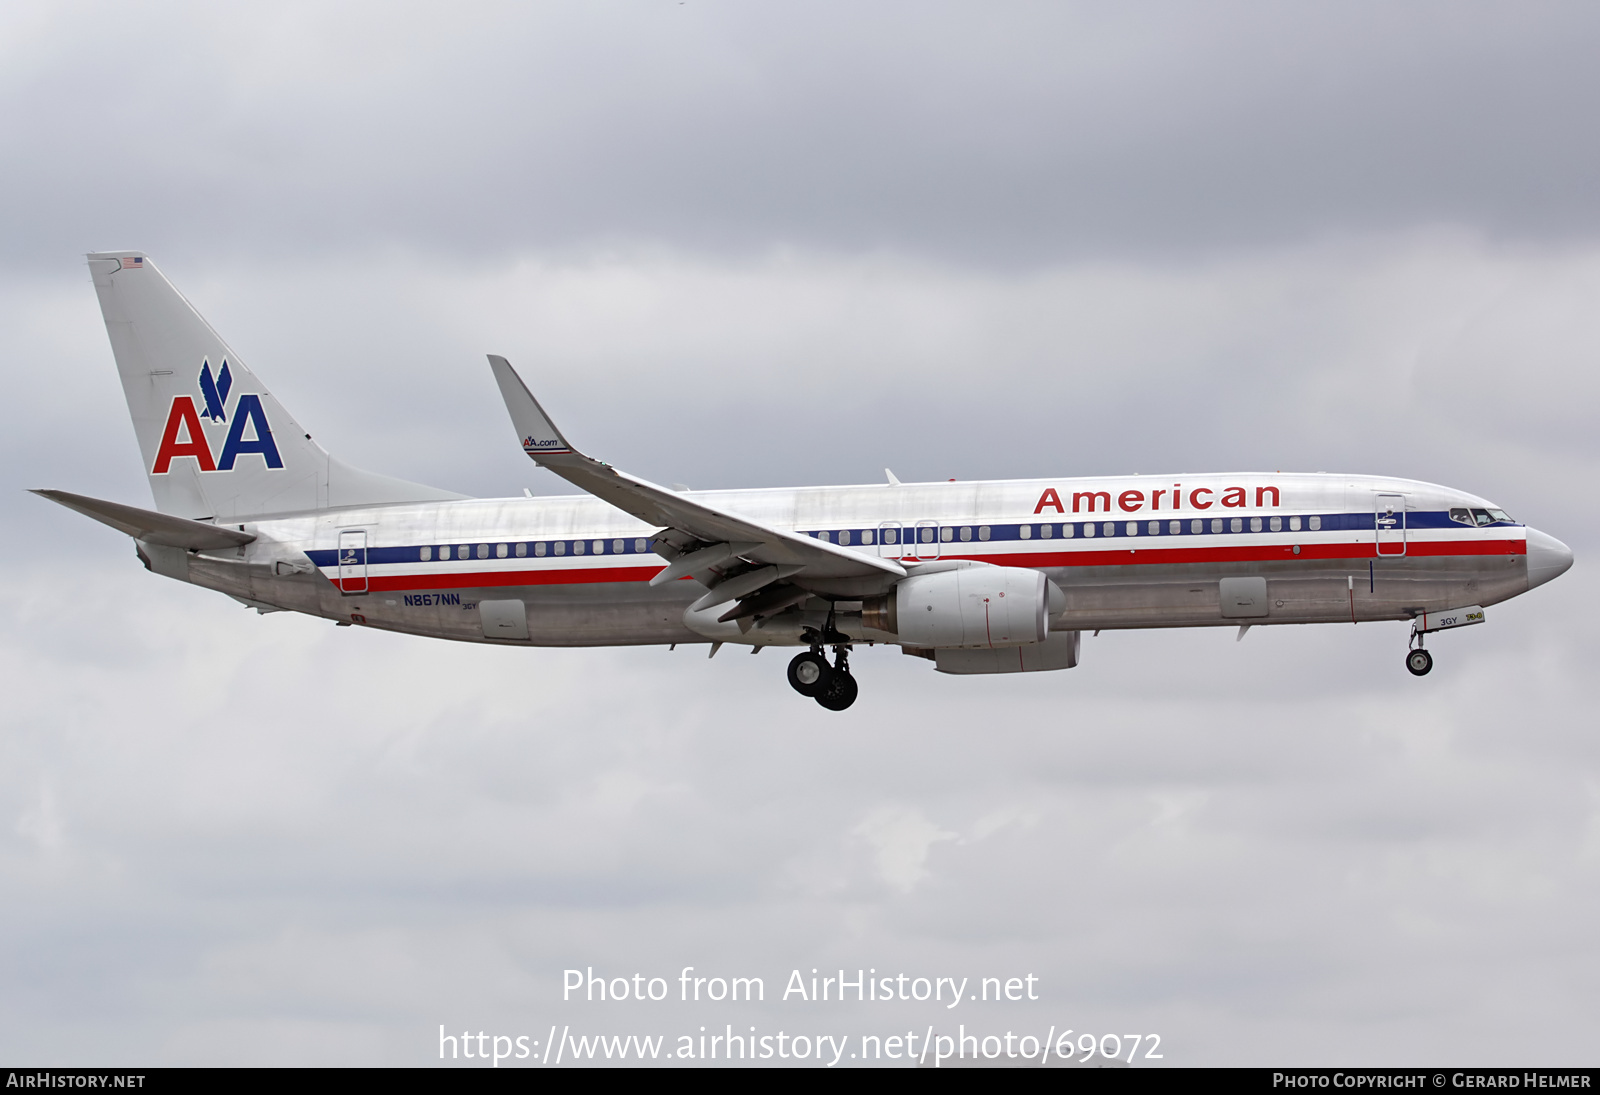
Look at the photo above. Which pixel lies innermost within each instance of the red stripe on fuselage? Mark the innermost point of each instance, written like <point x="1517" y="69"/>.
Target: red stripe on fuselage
<point x="479" y="579"/>
<point x="1100" y="557"/>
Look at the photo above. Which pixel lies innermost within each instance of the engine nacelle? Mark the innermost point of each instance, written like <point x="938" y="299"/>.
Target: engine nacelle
<point x="975" y="607"/>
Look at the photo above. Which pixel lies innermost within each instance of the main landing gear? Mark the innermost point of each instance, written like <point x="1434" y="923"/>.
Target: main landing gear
<point x="832" y="686"/>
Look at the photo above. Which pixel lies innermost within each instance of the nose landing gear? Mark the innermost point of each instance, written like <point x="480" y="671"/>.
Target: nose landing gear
<point x="1418" y="660"/>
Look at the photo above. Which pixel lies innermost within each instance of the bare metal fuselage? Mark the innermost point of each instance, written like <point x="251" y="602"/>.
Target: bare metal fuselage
<point x="1134" y="552"/>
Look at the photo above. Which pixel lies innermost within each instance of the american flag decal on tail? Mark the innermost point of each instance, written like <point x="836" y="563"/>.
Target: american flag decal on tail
<point x="133" y="264"/>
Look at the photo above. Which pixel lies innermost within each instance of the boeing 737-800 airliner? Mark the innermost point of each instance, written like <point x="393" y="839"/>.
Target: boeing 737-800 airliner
<point x="986" y="577"/>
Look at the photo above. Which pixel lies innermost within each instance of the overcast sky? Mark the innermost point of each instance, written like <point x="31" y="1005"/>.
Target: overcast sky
<point x="743" y="245"/>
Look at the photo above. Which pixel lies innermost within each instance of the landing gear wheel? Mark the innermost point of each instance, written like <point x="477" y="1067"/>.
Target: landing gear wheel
<point x="1419" y="662"/>
<point x="838" y="690"/>
<point x="808" y="672"/>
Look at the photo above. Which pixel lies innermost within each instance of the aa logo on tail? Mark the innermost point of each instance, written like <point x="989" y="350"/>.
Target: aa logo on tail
<point x="185" y="436"/>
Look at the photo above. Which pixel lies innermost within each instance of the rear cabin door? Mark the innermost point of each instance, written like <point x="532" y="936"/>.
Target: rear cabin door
<point x="353" y="562"/>
<point x="1390" y="522"/>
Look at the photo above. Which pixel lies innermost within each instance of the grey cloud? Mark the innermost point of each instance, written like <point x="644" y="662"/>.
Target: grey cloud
<point x="740" y="246"/>
<point x="1018" y="134"/>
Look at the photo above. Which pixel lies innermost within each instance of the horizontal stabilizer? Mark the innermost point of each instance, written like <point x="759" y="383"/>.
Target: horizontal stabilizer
<point x="153" y="528"/>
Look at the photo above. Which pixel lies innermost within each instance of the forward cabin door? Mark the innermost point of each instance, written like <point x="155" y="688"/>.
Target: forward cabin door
<point x="1390" y="522"/>
<point x="353" y="562"/>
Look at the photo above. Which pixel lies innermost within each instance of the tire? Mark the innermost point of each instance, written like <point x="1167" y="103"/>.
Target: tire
<point x="1419" y="662"/>
<point x="838" y="691"/>
<point x="808" y="672"/>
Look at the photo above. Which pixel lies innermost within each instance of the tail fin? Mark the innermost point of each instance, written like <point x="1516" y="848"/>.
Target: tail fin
<point x="215" y="442"/>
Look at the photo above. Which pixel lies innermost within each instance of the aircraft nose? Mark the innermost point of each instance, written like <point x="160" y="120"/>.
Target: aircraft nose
<point x="1547" y="558"/>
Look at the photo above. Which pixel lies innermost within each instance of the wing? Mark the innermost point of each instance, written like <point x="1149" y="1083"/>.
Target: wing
<point x="734" y="555"/>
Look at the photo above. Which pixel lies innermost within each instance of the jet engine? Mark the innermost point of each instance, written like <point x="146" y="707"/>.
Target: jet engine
<point x="975" y="607"/>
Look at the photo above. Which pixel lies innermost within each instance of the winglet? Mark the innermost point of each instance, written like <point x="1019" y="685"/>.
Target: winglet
<point x="540" y="438"/>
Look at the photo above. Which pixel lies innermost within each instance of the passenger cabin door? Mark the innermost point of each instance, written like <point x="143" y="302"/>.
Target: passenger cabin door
<point x="353" y="562"/>
<point x="891" y="540"/>
<point x="1390" y="522"/>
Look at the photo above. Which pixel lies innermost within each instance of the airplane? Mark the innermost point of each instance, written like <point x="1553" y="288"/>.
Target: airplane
<point x="976" y="577"/>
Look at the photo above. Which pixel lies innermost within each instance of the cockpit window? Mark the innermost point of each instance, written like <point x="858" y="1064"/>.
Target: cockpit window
<point x="1462" y="515"/>
<point x="1481" y="516"/>
<point x="1501" y="515"/>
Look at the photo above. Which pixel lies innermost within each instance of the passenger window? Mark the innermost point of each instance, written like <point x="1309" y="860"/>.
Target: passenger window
<point x="483" y="551"/>
<point x="1132" y="529"/>
<point x="1174" y="528"/>
<point x="825" y="536"/>
<point x="1088" y="529"/>
<point x="1155" y="528"/>
<point x="891" y="536"/>
<point x="866" y="536"/>
<point x="1294" y="524"/>
<point x="1482" y="517"/>
<point x="1025" y="531"/>
<point x="599" y="547"/>
<point x="522" y="550"/>
<point x="501" y="551"/>
<point x="966" y="533"/>
<point x="425" y="554"/>
<point x="1045" y="531"/>
<point x="1236" y="525"/>
<point x="561" y="547"/>
<point x="1276" y="523"/>
<point x="926" y="535"/>
<point x="1255" y="524"/>
<point x="540" y="548"/>
<point x="844" y="537"/>
<point x="577" y="547"/>
<point x="983" y="532"/>
<point x="1216" y="524"/>
<point x="1197" y="525"/>
<point x="639" y="546"/>
<point x="1110" y="528"/>
<point x="1066" y="531"/>
<point x="1314" y="524"/>
<point x="618" y="547"/>
<point x="946" y="533"/>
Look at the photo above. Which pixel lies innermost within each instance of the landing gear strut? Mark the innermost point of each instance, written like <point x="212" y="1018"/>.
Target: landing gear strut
<point x="838" y="689"/>
<point x="832" y="686"/>
<point x="1418" y="660"/>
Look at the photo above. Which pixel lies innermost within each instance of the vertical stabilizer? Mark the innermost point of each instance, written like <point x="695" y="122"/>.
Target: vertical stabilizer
<point x="214" y="441"/>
